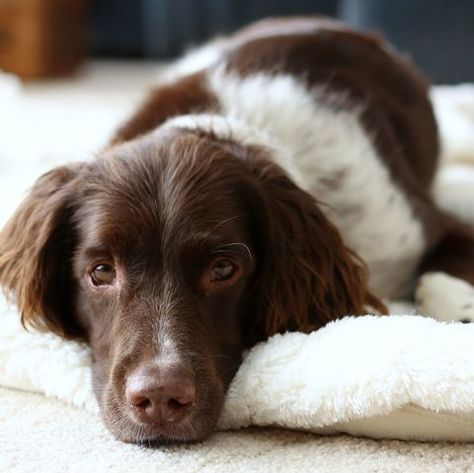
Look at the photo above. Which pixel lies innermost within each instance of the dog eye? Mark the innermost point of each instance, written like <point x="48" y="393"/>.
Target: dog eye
<point x="103" y="274"/>
<point x="221" y="273"/>
<point x="223" y="269"/>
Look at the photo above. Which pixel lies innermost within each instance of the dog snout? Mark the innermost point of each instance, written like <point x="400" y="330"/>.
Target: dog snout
<point x="160" y="395"/>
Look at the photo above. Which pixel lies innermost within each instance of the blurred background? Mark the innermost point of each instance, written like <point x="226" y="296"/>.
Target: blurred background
<point x="45" y="38"/>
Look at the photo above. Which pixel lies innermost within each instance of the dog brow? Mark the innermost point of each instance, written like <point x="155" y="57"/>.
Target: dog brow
<point x="243" y="245"/>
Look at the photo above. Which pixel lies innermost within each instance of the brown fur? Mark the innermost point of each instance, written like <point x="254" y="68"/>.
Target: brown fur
<point x="319" y="279"/>
<point x="34" y="249"/>
<point x="148" y="206"/>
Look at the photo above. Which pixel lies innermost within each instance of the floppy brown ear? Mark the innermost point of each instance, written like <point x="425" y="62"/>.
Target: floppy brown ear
<point x="35" y="252"/>
<point x="308" y="276"/>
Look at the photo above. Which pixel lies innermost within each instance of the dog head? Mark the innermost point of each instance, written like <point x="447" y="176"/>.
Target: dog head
<point x="170" y="254"/>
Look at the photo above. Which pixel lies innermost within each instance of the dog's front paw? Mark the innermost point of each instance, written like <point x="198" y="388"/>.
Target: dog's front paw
<point x="445" y="297"/>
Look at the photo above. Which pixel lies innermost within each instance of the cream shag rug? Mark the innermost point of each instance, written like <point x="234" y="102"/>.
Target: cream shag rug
<point x="400" y="377"/>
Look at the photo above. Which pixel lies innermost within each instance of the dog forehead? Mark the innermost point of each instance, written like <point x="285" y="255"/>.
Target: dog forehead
<point x="129" y="224"/>
<point x="155" y="190"/>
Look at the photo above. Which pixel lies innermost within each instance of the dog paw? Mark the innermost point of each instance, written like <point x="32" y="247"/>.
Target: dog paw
<point x="445" y="297"/>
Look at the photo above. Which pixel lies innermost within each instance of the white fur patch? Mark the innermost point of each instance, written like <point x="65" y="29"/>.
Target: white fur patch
<point x="329" y="154"/>
<point x="445" y="297"/>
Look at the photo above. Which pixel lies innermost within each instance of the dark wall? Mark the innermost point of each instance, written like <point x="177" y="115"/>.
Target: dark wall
<point x="164" y="28"/>
<point x="438" y="34"/>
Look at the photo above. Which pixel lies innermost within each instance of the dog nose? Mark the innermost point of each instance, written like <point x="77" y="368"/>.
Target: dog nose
<point x="160" y="395"/>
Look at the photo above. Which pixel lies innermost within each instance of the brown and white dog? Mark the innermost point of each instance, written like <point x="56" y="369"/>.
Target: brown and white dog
<point x="278" y="179"/>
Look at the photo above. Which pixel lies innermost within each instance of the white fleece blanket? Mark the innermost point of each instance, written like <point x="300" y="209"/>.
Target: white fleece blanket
<point x="404" y="377"/>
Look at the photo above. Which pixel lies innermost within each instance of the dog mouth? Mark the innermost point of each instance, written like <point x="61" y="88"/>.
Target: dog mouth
<point x="193" y="423"/>
<point x="167" y="433"/>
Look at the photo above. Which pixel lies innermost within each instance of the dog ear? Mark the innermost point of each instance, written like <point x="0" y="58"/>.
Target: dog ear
<point x="307" y="276"/>
<point x="35" y="254"/>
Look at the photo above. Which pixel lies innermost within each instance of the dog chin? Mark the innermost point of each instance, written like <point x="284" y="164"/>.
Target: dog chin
<point x="196" y="428"/>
